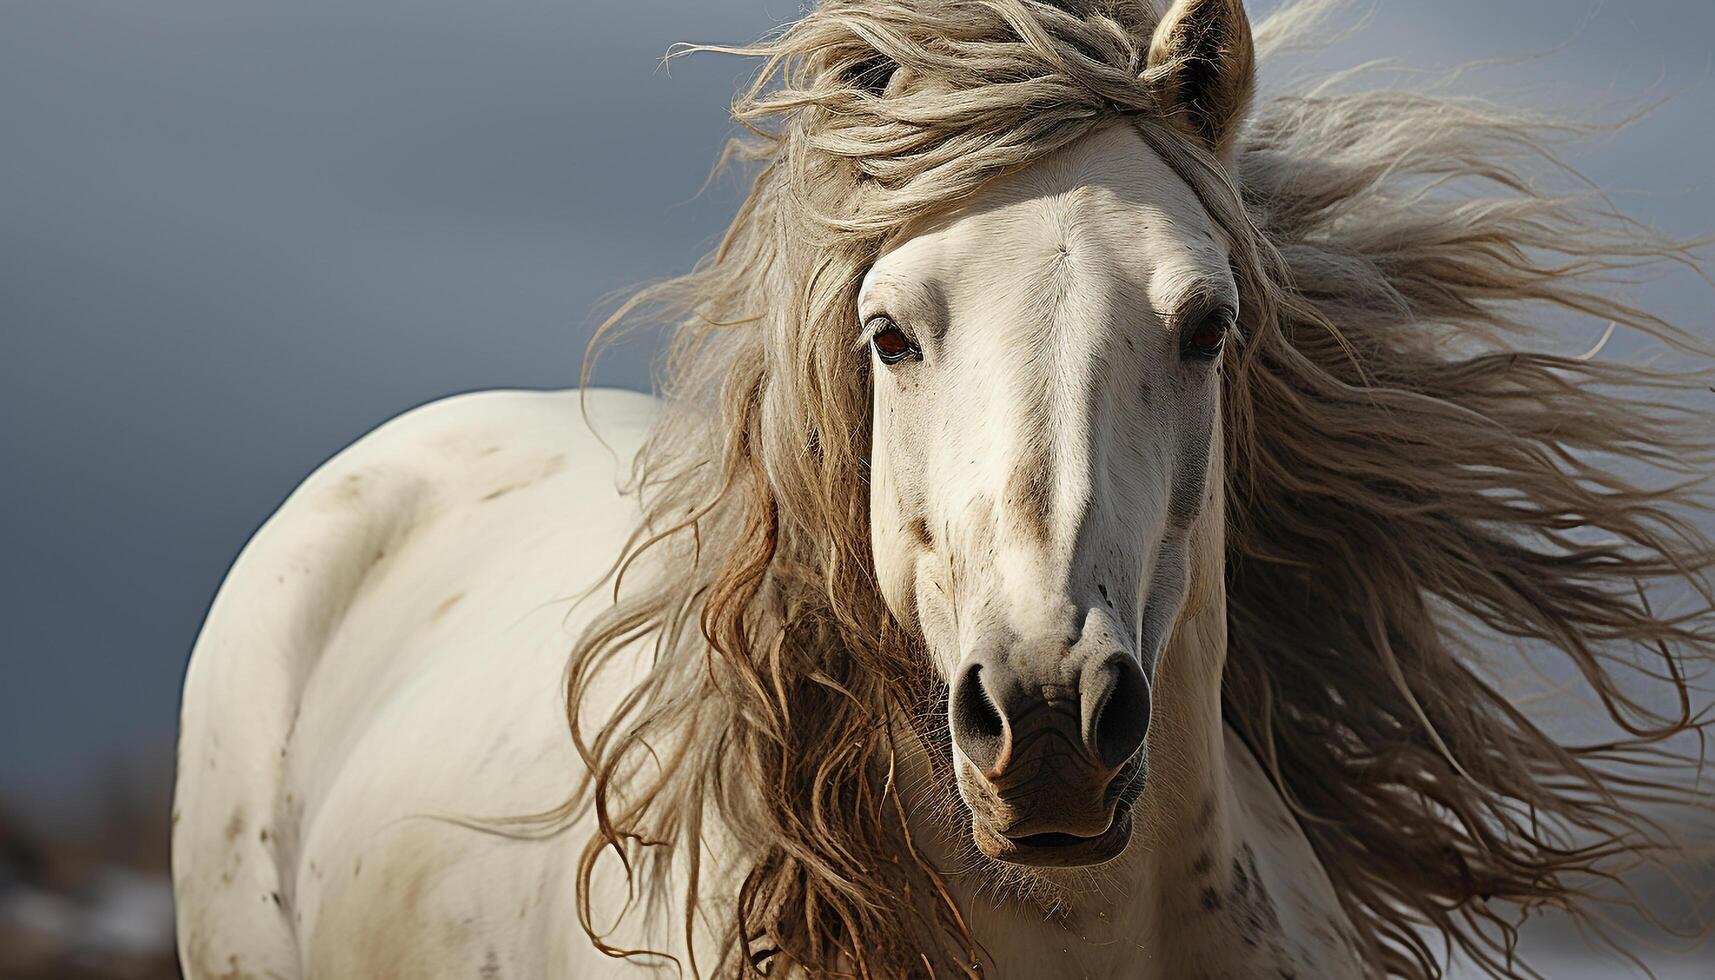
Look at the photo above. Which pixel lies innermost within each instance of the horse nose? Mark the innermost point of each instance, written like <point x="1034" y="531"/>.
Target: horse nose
<point x="1114" y="697"/>
<point x="996" y="712"/>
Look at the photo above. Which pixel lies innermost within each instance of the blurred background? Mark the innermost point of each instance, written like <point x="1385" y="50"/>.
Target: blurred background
<point x="236" y="235"/>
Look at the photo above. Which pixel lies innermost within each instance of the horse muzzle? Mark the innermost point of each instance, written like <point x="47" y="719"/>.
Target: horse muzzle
<point x="1049" y="772"/>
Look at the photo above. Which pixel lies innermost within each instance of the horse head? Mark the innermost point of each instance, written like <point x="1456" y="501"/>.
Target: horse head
<point x="1045" y="495"/>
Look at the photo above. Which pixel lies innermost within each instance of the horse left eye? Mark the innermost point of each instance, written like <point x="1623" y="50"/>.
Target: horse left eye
<point x="1205" y="337"/>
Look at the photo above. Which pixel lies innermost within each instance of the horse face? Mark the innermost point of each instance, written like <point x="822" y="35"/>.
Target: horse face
<point x="1045" y="471"/>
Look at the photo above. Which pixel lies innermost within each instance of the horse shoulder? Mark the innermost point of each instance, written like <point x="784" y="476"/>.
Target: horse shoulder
<point x="248" y="776"/>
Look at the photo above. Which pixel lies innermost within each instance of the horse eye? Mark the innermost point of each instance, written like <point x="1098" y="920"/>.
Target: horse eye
<point x="1206" y="336"/>
<point x="890" y="342"/>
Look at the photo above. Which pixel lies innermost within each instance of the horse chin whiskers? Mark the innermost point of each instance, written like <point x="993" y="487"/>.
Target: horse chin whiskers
<point x="939" y="808"/>
<point x="1051" y="892"/>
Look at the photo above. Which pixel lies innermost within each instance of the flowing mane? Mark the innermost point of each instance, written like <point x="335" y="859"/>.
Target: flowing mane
<point x="1405" y="472"/>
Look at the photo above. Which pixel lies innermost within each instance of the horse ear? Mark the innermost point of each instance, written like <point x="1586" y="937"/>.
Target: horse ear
<point x="1203" y="67"/>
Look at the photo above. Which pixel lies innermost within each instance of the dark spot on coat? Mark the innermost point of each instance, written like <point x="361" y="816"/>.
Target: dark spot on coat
<point x="1260" y="913"/>
<point x="1211" y="900"/>
<point x="921" y="533"/>
<point x="1030" y="495"/>
<point x="235" y="825"/>
<point x="351" y="488"/>
<point x="1203" y="863"/>
<point x="446" y="606"/>
<point x="490" y="966"/>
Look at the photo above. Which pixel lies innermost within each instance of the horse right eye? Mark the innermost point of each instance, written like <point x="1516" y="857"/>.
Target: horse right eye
<point x="890" y="343"/>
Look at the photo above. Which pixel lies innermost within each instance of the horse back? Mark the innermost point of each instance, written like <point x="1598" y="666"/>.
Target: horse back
<point x="387" y="649"/>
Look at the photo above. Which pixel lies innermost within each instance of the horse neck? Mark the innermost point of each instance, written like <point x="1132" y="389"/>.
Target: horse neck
<point x="1186" y="821"/>
<point x="1189" y="785"/>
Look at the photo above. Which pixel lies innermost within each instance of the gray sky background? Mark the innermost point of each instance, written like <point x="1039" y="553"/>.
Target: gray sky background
<point x="236" y="235"/>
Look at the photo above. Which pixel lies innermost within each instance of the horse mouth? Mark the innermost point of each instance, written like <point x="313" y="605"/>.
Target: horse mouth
<point x="1055" y="849"/>
<point x="1077" y="820"/>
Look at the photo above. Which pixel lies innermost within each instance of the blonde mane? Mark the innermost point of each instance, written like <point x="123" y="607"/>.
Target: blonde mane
<point x="1404" y="471"/>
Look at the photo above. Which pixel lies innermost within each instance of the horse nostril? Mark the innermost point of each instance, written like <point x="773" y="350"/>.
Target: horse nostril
<point x="1122" y="711"/>
<point x="977" y="726"/>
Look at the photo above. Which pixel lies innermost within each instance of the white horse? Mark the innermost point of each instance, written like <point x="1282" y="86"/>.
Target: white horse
<point x="1028" y="362"/>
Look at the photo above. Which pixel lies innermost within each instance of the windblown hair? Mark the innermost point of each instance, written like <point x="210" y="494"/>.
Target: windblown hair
<point x="1404" y="469"/>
